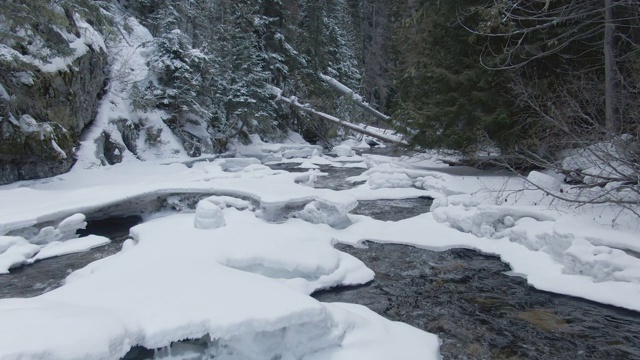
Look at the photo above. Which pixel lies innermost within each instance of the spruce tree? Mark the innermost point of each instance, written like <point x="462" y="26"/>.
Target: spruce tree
<point x="445" y="97"/>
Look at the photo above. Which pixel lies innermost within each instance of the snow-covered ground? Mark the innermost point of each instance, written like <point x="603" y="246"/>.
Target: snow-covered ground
<point x="235" y="269"/>
<point x="238" y="270"/>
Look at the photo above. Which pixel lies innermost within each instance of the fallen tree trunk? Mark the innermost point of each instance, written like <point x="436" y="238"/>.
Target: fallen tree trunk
<point x="307" y="108"/>
<point x="351" y="95"/>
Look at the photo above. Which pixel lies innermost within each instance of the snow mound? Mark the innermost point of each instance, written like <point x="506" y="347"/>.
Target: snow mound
<point x="64" y="231"/>
<point x="50" y="241"/>
<point x="372" y="339"/>
<point x="486" y="220"/>
<point x="323" y="212"/>
<point x="394" y="180"/>
<point x="601" y="263"/>
<point x="58" y="248"/>
<point x="343" y="150"/>
<point x="228" y="201"/>
<point x="309" y="178"/>
<point x="300" y="153"/>
<point x="577" y="253"/>
<point x="544" y="181"/>
<point x="15" y="251"/>
<point x="208" y="216"/>
<point x="357" y="337"/>
<point x="153" y="294"/>
<point x="238" y="164"/>
<point x="356" y="144"/>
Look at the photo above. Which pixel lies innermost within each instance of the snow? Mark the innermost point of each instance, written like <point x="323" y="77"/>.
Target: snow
<point x="322" y="212"/>
<point x="343" y="150"/>
<point x="544" y="181"/>
<point x="59" y="150"/>
<point x="35" y="244"/>
<point x="127" y="51"/>
<point x="236" y="265"/>
<point x="25" y="77"/>
<point x="342" y="88"/>
<point x="351" y="95"/>
<point x="59" y="248"/>
<point x="4" y="95"/>
<point x="163" y="300"/>
<point x="208" y="216"/>
<point x="230" y="250"/>
<point x="393" y="138"/>
<point x="14" y="252"/>
<point x="29" y="125"/>
<point x="356" y="144"/>
<point x="89" y="40"/>
<point x="371" y="337"/>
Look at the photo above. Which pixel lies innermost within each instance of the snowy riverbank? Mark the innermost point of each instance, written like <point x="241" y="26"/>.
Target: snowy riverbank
<point x="239" y="269"/>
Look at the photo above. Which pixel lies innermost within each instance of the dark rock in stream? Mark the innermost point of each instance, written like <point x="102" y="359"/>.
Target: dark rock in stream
<point x="480" y="313"/>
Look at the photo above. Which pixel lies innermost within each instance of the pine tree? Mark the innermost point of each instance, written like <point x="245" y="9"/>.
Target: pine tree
<point x="240" y="68"/>
<point x="445" y="97"/>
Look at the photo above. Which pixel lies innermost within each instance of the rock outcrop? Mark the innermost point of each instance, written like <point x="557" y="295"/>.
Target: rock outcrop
<point x="42" y="114"/>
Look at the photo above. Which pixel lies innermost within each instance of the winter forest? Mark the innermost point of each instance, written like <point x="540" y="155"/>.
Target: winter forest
<point x="526" y="80"/>
<point x="339" y="179"/>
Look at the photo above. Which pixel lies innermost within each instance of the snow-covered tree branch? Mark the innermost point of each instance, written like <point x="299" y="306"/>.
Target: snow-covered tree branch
<point x="293" y="101"/>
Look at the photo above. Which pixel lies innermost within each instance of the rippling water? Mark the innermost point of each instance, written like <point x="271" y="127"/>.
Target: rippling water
<point x="461" y="295"/>
<point x="480" y="313"/>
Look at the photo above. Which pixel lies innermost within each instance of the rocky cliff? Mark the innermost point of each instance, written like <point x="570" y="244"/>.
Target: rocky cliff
<point x="45" y="104"/>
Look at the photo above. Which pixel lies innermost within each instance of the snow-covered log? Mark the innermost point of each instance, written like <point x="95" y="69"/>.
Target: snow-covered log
<point x="307" y="108"/>
<point x="357" y="99"/>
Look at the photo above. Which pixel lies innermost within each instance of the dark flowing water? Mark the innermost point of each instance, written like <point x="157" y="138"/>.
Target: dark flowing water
<point x="462" y="296"/>
<point x="480" y="313"/>
<point x="477" y="311"/>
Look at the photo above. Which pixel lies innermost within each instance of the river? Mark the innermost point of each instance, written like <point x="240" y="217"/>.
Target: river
<point x="466" y="298"/>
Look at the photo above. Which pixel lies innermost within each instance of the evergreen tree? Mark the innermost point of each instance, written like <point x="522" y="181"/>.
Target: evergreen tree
<point x="240" y="68"/>
<point x="445" y="97"/>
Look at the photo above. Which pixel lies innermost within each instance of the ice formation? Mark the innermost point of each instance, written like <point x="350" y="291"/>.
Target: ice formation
<point x="242" y="288"/>
<point x="33" y="244"/>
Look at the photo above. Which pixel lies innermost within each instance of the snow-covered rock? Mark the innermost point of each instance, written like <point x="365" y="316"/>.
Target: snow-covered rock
<point x="356" y="144"/>
<point x="544" y="181"/>
<point x="394" y="180"/>
<point x="601" y="263"/>
<point x="208" y="216"/>
<point x="15" y="251"/>
<point x="304" y="153"/>
<point x="238" y="164"/>
<point x="65" y="230"/>
<point x="323" y="212"/>
<point x="58" y="248"/>
<point x="228" y="201"/>
<point x="343" y="151"/>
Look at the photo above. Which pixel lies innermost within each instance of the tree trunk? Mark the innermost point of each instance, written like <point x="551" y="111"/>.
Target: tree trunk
<point x="351" y="95"/>
<point x="307" y="108"/>
<point x="610" y="73"/>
